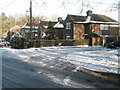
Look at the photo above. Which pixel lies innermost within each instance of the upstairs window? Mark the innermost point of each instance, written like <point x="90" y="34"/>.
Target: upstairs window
<point x="68" y="36"/>
<point x="104" y="27"/>
<point x="68" y="25"/>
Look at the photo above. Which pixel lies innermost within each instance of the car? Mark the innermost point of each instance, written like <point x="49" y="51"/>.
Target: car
<point x="4" y="43"/>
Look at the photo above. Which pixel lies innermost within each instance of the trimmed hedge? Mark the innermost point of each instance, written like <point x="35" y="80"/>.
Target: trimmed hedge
<point x="60" y="43"/>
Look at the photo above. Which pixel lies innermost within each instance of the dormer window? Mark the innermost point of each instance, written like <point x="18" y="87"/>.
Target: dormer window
<point x="103" y="27"/>
<point x="68" y="25"/>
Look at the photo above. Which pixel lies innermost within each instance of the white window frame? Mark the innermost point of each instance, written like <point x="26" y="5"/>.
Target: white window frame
<point x="103" y="27"/>
<point x="68" y="36"/>
<point x="68" y="25"/>
<point x="34" y="30"/>
<point x="36" y="35"/>
<point x="27" y="31"/>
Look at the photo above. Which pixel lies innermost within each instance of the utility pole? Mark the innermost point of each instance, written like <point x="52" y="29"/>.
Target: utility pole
<point x="30" y="22"/>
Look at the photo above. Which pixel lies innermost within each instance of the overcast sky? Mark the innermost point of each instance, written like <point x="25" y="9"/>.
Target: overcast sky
<point x="56" y="8"/>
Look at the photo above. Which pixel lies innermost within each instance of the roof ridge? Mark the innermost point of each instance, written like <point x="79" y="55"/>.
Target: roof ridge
<point x="76" y="15"/>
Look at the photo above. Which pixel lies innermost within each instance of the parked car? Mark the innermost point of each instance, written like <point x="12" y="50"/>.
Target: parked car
<point x="4" y="43"/>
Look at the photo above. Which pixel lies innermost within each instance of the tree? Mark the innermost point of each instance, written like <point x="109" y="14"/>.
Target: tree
<point x="114" y="6"/>
<point x="19" y="42"/>
<point x="8" y="36"/>
<point x="51" y="33"/>
<point x="4" y="21"/>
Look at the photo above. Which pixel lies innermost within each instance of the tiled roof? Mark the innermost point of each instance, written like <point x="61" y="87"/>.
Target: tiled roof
<point x="76" y="18"/>
<point x="103" y="18"/>
<point x="94" y="17"/>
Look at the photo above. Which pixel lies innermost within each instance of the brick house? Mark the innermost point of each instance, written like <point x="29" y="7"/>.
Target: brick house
<point x="82" y="27"/>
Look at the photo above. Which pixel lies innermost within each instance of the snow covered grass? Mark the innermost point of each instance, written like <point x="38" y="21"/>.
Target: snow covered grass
<point x="94" y="58"/>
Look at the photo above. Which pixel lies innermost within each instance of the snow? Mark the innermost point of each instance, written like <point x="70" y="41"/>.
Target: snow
<point x="58" y="25"/>
<point x="99" y="22"/>
<point x="35" y="27"/>
<point x="88" y="19"/>
<point x="93" y="58"/>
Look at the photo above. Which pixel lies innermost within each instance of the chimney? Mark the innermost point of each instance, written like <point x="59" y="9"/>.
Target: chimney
<point x="59" y="19"/>
<point x="89" y="13"/>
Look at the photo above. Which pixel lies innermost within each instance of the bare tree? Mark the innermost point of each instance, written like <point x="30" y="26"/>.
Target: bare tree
<point x="114" y="6"/>
<point x="82" y="5"/>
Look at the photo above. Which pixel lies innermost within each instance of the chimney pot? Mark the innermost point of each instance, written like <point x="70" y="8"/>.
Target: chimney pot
<point x="89" y="13"/>
<point x="59" y="19"/>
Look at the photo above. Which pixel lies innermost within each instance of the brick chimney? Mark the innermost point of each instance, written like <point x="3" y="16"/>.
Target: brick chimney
<point x="89" y="13"/>
<point x="59" y="19"/>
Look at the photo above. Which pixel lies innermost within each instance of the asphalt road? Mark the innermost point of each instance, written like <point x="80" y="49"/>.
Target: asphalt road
<point x="20" y="74"/>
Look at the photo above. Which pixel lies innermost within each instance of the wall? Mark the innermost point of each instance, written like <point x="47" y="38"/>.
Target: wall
<point x="78" y="31"/>
<point x="96" y="28"/>
<point x="60" y="33"/>
<point x="113" y="30"/>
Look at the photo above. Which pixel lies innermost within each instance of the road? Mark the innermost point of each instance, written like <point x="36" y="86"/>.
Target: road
<point x="17" y="73"/>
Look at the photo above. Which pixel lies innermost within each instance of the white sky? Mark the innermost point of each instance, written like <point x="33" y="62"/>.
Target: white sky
<point x="55" y="7"/>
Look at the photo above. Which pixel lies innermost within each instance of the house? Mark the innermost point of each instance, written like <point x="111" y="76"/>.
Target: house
<point x="12" y="32"/>
<point x="83" y="27"/>
<point x="59" y="26"/>
<point x="25" y="31"/>
<point x="45" y="27"/>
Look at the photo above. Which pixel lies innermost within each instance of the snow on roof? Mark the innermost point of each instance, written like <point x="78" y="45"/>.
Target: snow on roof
<point x="45" y="26"/>
<point x="16" y="27"/>
<point x="88" y="19"/>
<point x="99" y="22"/>
<point x="58" y="25"/>
<point x="35" y="27"/>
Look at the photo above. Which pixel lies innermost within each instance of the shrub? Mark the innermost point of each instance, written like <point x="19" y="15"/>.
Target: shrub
<point x="18" y="42"/>
<point x="112" y="45"/>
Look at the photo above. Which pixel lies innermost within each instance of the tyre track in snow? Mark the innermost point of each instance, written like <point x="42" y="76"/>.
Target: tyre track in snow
<point x="61" y="75"/>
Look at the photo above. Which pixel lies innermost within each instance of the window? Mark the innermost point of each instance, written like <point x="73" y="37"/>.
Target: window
<point x="27" y="31"/>
<point x="68" y="25"/>
<point x="104" y="27"/>
<point x="68" y="37"/>
<point x="36" y="35"/>
<point x="34" y="30"/>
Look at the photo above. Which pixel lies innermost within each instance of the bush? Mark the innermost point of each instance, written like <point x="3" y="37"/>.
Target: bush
<point x="112" y="44"/>
<point x="18" y="42"/>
